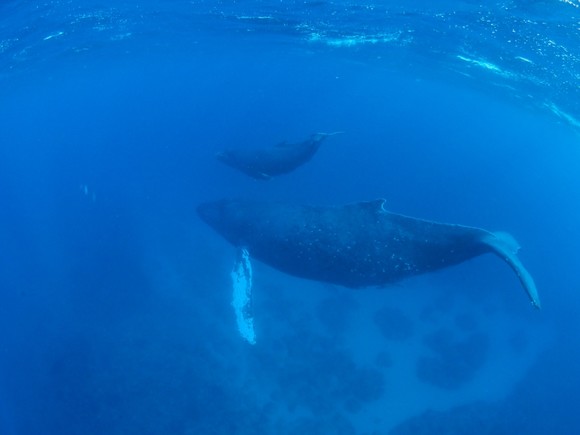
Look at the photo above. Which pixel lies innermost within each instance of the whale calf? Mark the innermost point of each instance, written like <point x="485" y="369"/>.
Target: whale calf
<point x="354" y="245"/>
<point x="265" y="163"/>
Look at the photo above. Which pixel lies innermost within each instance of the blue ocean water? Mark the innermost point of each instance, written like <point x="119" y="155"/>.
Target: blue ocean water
<point x="115" y="298"/>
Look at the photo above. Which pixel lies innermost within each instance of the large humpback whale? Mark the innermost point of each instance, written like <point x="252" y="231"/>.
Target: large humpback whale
<point x="354" y="245"/>
<point x="265" y="163"/>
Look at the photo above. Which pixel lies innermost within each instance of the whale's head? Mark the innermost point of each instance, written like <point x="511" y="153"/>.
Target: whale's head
<point x="225" y="156"/>
<point x="228" y="218"/>
<point x="210" y="213"/>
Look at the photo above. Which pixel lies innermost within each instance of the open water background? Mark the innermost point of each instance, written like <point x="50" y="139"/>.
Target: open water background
<point x="115" y="312"/>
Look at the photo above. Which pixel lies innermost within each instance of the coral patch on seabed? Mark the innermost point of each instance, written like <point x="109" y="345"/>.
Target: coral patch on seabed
<point x="452" y="361"/>
<point x="316" y="375"/>
<point x="468" y="419"/>
<point x="334" y="313"/>
<point x="394" y="324"/>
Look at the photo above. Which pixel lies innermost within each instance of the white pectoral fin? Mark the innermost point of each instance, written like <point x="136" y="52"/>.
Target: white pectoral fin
<point x="242" y="296"/>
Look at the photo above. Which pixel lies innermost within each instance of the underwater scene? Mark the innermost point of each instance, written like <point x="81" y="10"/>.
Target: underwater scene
<point x="289" y="217"/>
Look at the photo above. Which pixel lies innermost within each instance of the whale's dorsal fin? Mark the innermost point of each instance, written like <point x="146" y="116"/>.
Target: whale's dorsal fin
<point x="375" y="205"/>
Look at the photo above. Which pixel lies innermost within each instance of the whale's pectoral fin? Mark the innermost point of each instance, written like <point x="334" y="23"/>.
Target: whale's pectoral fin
<point x="506" y="247"/>
<point x="263" y="176"/>
<point x="242" y="295"/>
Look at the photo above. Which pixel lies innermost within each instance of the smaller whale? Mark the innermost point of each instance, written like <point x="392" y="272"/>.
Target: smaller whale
<point x="265" y="163"/>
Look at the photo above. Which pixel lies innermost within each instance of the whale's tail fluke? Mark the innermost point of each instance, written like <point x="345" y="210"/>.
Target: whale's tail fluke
<point x="506" y="247"/>
<point x="325" y="135"/>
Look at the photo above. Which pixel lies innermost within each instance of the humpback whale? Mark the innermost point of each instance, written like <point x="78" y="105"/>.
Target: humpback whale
<point x="265" y="163"/>
<point x="354" y="245"/>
